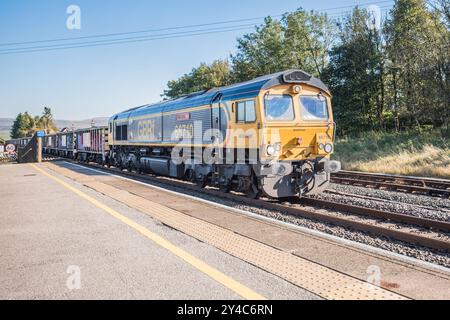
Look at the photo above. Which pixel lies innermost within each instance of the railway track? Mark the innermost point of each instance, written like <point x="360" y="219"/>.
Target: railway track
<point x="413" y="230"/>
<point x="418" y="185"/>
<point x="386" y="201"/>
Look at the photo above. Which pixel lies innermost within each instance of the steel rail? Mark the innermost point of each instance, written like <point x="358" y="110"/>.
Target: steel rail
<point x="380" y="214"/>
<point x="432" y="187"/>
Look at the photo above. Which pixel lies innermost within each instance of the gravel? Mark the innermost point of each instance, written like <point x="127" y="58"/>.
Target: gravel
<point x="433" y="203"/>
<point x="377" y="203"/>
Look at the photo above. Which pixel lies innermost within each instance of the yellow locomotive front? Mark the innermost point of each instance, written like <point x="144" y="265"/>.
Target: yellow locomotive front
<point x="297" y="137"/>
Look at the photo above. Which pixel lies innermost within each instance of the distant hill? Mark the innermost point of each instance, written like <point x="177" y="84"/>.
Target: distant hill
<point x="6" y="123"/>
<point x="99" y="121"/>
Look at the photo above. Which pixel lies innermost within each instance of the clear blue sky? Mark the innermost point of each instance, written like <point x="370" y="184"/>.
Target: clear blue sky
<point x="98" y="81"/>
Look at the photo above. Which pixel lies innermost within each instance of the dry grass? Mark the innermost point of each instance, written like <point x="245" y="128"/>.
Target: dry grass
<point x="425" y="153"/>
<point x="4" y="135"/>
<point x="430" y="161"/>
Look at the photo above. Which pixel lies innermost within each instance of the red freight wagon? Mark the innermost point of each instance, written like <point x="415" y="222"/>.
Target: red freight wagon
<point x="92" y="144"/>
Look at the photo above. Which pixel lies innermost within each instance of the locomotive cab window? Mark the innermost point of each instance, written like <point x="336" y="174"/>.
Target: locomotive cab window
<point x="246" y="111"/>
<point x="121" y="132"/>
<point x="125" y="132"/>
<point x="314" y="108"/>
<point x="279" y="107"/>
<point x="118" y="132"/>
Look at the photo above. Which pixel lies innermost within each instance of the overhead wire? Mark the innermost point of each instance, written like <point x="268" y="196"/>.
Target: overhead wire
<point x="152" y="37"/>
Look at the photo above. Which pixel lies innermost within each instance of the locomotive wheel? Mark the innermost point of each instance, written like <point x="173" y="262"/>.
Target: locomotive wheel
<point x="201" y="182"/>
<point x="190" y="175"/>
<point x="253" y="192"/>
<point x="225" y="188"/>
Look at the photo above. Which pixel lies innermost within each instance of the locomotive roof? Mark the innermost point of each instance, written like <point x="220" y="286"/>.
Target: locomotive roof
<point x="243" y="90"/>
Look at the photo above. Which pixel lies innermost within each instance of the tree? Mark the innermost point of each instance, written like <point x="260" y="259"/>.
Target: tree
<point x="300" y="40"/>
<point x="260" y="52"/>
<point x="22" y="126"/>
<point x="443" y="8"/>
<point x="45" y="122"/>
<point x="201" y="78"/>
<point x="355" y="74"/>
<point x="441" y="57"/>
<point x="419" y="64"/>
<point x="393" y="78"/>
<point x="25" y="125"/>
<point x="309" y="37"/>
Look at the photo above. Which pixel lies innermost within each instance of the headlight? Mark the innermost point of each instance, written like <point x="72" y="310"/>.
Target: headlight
<point x="278" y="147"/>
<point x="270" y="150"/>
<point x="328" y="148"/>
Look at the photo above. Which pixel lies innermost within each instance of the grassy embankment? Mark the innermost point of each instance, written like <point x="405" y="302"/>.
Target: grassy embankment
<point x="4" y="135"/>
<point x="424" y="154"/>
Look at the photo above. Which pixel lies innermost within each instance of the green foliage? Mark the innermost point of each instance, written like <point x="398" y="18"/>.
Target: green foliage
<point x="204" y="77"/>
<point x="419" y="62"/>
<point x="392" y="79"/>
<point x="46" y="121"/>
<point x="355" y="75"/>
<point x="22" y="126"/>
<point x="261" y="52"/>
<point x="25" y="125"/>
<point x="301" y="40"/>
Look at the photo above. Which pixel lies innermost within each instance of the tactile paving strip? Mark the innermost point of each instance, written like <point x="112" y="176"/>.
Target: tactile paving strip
<point x="313" y="277"/>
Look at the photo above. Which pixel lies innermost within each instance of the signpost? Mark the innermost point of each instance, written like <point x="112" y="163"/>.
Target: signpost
<point x="10" y="148"/>
<point x="40" y="134"/>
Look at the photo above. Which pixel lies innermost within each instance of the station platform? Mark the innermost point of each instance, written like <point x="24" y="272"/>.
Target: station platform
<point x="71" y="232"/>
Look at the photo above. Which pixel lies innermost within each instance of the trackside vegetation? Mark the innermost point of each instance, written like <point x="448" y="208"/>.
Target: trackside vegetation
<point x="25" y="124"/>
<point x="390" y="82"/>
<point x="425" y="153"/>
<point x="390" y="77"/>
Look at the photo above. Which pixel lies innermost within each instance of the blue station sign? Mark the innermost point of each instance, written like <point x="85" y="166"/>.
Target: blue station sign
<point x="40" y="134"/>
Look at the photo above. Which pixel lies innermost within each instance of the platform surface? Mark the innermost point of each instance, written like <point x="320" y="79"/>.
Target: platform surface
<point x="59" y="220"/>
<point x="47" y="231"/>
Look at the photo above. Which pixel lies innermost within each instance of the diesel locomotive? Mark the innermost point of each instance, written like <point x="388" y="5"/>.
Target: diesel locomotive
<point x="270" y="136"/>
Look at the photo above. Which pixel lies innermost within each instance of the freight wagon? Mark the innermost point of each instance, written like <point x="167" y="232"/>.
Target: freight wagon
<point x="49" y="144"/>
<point x="91" y="144"/>
<point x="65" y="144"/>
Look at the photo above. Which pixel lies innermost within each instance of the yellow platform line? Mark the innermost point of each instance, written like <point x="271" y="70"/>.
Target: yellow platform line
<point x="213" y="273"/>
